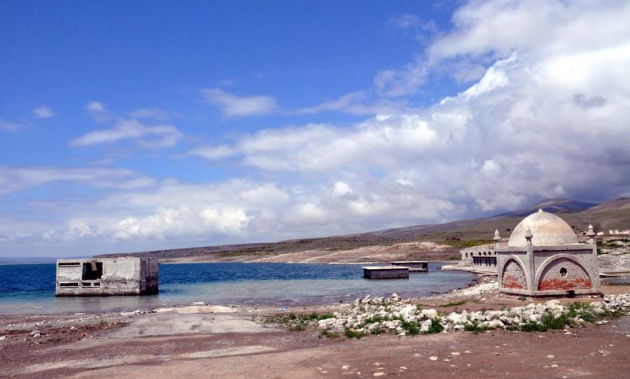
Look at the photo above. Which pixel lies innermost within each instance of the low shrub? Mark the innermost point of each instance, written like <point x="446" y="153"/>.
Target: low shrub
<point x="552" y="322"/>
<point x="436" y="327"/>
<point x="297" y="328"/>
<point x="474" y="327"/>
<point x="350" y="333"/>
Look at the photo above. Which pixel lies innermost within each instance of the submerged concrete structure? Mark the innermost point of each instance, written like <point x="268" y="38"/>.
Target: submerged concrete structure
<point x="386" y="272"/>
<point x="107" y="276"/>
<point x="543" y="257"/>
<point x="414" y="266"/>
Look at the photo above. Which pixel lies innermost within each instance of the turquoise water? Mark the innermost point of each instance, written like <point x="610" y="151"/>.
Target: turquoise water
<point x="31" y="288"/>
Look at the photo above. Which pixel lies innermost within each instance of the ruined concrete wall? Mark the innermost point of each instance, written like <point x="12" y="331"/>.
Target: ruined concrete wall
<point x="69" y="271"/>
<point x="149" y="275"/>
<point x="107" y="276"/>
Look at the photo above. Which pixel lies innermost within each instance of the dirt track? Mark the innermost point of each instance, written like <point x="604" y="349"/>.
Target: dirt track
<point x="207" y="341"/>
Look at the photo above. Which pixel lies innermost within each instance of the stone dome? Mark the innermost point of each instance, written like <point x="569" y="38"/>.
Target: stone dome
<point x="547" y="230"/>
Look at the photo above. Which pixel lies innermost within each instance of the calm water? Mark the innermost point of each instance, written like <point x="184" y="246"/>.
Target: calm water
<point x="31" y="288"/>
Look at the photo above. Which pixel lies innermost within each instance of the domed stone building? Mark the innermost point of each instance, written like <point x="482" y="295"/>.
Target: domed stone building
<point x="543" y="257"/>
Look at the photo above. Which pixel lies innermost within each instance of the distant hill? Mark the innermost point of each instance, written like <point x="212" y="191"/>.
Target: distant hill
<point x="555" y="206"/>
<point x="344" y="242"/>
<point x="615" y="204"/>
<point x="23" y="261"/>
<point x="613" y="214"/>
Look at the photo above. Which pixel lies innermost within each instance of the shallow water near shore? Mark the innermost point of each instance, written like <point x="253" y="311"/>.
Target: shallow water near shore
<point x="26" y="289"/>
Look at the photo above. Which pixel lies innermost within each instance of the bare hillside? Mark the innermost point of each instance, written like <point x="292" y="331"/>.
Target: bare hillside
<point x="426" y="242"/>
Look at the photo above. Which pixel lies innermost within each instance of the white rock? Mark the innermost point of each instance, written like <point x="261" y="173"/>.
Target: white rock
<point x="493" y="315"/>
<point x="326" y="323"/>
<point x="495" y="324"/>
<point x="425" y="326"/>
<point x="533" y="318"/>
<point x="456" y="318"/>
<point x="408" y="310"/>
<point x="429" y="313"/>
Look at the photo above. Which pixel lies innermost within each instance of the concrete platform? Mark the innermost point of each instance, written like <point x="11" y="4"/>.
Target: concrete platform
<point x="414" y="266"/>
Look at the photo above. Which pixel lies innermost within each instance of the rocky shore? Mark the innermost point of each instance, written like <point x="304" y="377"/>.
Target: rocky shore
<point x="472" y="332"/>
<point x="401" y="317"/>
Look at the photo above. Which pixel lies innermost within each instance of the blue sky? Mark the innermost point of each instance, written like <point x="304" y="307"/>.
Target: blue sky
<point x="140" y="125"/>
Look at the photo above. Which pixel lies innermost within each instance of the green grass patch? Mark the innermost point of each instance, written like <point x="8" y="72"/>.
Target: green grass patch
<point x="533" y="327"/>
<point x="474" y="327"/>
<point x="351" y="333"/>
<point x="297" y="322"/>
<point x="375" y="319"/>
<point x="410" y="327"/>
<point x="461" y="244"/>
<point x="435" y="327"/>
<point x="577" y="310"/>
<point x="551" y="322"/>
<point x="377" y="331"/>
<point x="318" y="316"/>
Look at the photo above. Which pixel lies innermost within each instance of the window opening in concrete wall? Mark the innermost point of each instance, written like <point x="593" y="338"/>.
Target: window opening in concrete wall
<point x="70" y="264"/>
<point x="563" y="271"/>
<point x="92" y="270"/>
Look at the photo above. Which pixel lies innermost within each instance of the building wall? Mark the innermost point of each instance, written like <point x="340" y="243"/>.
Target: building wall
<point x="540" y="271"/>
<point x="514" y="276"/>
<point x="481" y="258"/>
<point x="564" y="274"/>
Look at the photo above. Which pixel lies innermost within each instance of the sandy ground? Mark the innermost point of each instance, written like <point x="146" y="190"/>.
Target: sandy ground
<point x="202" y="341"/>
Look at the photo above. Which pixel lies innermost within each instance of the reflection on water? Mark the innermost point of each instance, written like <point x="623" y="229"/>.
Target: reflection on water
<point x="233" y="283"/>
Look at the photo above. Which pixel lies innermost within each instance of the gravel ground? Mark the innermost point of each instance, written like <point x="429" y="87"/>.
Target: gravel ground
<point x="207" y="341"/>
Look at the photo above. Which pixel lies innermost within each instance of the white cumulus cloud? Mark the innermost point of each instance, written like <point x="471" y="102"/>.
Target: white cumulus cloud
<point x="544" y="114"/>
<point x="239" y="106"/>
<point x="43" y="112"/>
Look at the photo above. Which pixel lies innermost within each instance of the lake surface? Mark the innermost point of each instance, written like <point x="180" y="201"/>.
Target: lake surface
<point x="31" y="288"/>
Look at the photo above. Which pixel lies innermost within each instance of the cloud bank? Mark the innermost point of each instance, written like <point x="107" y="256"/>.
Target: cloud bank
<point x="542" y="112"/>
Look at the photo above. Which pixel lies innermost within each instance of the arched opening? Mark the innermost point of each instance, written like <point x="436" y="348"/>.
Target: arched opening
<point x="564" y="274"/>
